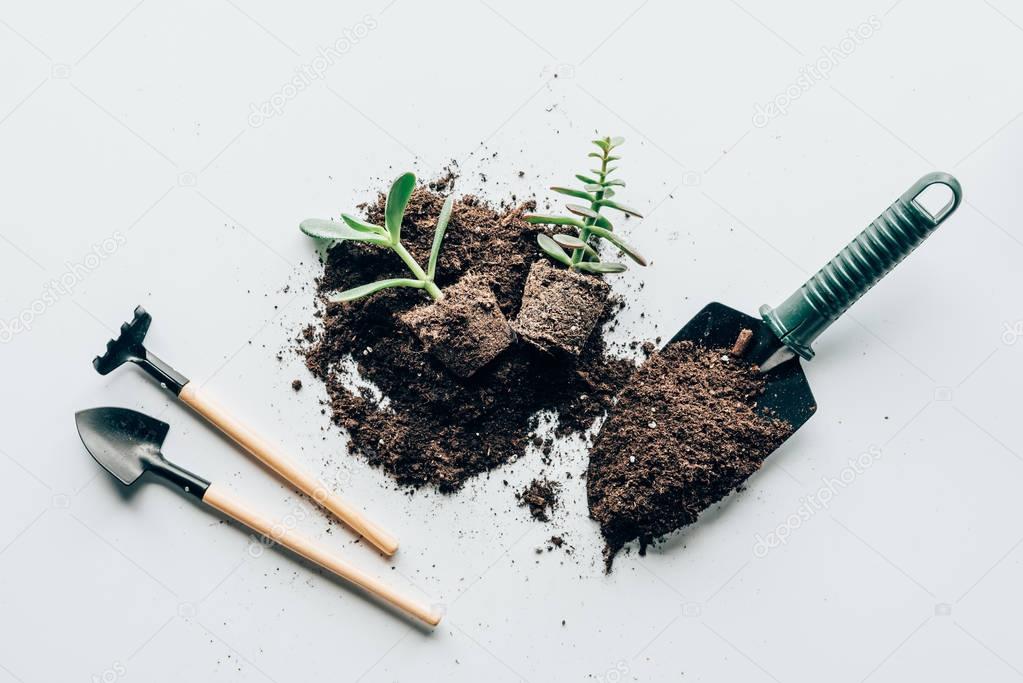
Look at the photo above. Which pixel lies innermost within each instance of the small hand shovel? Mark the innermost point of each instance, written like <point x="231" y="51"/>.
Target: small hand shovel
<point x="128" y="347"/>
<point x="788" y="331"/>
<point x="127" y="444"/>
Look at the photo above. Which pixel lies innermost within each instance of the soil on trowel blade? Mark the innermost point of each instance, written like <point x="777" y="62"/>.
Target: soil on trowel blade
<point x="431" y="428"/>
<point x="685" y="433"/>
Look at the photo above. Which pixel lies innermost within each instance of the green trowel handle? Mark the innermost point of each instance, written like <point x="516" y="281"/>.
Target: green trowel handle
<point x="890" y="238"/>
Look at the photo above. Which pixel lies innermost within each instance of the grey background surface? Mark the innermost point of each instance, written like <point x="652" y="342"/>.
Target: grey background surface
<point x="139" y="165"/>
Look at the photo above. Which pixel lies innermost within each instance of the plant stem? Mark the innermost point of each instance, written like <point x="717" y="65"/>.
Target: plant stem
<point x="417" y="270"/>
<point x="584" y="234"/>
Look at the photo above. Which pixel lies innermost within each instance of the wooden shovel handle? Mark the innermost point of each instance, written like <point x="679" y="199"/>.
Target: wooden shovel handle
<point x="219" y="498"/>
<point x="274" y="459"/>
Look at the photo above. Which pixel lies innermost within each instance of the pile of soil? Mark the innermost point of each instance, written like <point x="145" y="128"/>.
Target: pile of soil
<point x="541" y="496"/>
<point x="685" y="433"/>
<point x="431" y="428"/>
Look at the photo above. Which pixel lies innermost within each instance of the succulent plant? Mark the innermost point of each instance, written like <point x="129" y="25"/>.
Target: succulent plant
<point x="389" y="236"/>
<point x="577" y="251"/>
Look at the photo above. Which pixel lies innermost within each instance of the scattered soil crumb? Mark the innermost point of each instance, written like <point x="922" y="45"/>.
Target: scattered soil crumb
<point x="297" y="385"/>
<point x="684" y="434"/>
<point x="559" y="543"/>
<point x="541" y="496"/>
<point x="446" y="181"/>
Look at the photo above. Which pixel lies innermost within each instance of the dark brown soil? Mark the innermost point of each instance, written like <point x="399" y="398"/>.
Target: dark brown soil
<point x="296" y="385"/>
<point x="560" y="308"/>
<point x="465" y="330"/>
<point x="435" y="429"/>
<point x="541" y="496"/>
<point x="555" y="543"/>
<point x="685" y="433"/>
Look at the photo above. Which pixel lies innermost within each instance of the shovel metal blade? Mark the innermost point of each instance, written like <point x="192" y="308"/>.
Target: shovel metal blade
<point x="124" y="442"/>
<point x="788" y="394"/>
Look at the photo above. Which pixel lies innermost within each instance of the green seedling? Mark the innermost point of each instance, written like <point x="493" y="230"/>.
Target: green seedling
<point x="577" y="251"/>
<point x="388" y="236"/>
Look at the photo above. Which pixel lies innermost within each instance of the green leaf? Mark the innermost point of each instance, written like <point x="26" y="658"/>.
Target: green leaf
<point x="619" y="183"/>
<point x="613" y="158"/>
<point x="551" y="248"/>
<point x="329" y="230"/>
<point x="621" y="207"/>
<point x="595" y="155"/>
<point x="553" y="220"/>
<point x="582" y="210"/>
<point x="573" y="242"/>
<point x="624" y="246"/>
<point x="607" y="191"/>
<point x="603" y="144"/>
<point x="617" y="141"/>
<point x="372" y="288"/>
<point x="603" y="222"/>
<point x="586" y="179"/>
<point x="600" y="267"/>
<point x="596" y="170"/>
<point x="362" y="226"/>
<point x="578" y="194"/>
<point x="397" y="200"/>
<point x="610" y="170"/>
<point x="593" y="187"/>
<point x="438" y="236"/>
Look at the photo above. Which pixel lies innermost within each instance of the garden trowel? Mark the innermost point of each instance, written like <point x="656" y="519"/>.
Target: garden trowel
<point x="785" y="334"/>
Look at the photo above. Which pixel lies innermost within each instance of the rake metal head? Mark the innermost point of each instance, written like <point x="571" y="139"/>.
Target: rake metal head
<point x="128" y="346"/>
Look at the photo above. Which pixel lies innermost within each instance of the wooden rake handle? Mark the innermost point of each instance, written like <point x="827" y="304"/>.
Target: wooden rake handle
<point x="219" y="498"/>
<point x="273" y="458"/>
